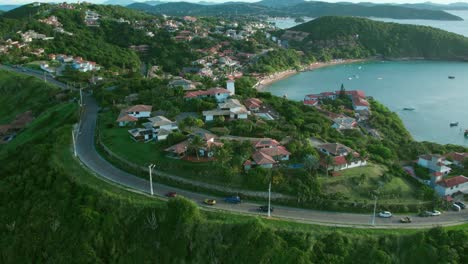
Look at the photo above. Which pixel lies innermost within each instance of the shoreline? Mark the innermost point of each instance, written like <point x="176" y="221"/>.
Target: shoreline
<point x="266" y="81"/>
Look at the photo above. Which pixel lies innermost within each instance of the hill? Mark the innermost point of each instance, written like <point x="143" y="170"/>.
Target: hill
<point x="52" y="210"/>
<point x="8" y="7"/>
<point x="296" y="8"/>
<point x="360" y="37"/>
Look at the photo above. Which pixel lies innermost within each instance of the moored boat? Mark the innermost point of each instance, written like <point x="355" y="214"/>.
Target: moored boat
<point x="454" y="124"/>
<point x="451" y="77"/>
<point x="408" y="109"/>
<point x="466" y="132"/>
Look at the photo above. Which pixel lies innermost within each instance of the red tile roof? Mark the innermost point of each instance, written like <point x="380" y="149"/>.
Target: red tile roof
<point x="178" y="148"/>
<point x="139" y="108"/>
<point x="212" y="91"/>
<point x="253" y="103"/>
<point x="340" y="160"/>
<point x="451" y="182"/>
<point x="275" y="151"/>
<point x="458" y="156"/>
<point x="265" y="143"/>
<point x="262" y="159"/>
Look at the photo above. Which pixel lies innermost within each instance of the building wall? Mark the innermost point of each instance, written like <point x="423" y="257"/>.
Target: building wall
<point x="140" y="114"/>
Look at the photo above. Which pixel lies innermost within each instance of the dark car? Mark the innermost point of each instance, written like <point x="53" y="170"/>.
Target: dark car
<point x="233" y="199"/>
<point x="171" y="194"/>
<point x="405" y="220"/>
<point x="264" y="208"/>
<point x="461" y="204"/>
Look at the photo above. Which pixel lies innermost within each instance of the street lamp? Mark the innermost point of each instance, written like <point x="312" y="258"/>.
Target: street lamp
<point x="269" y="200"/>
<point x="151" y="167"/>
<point x="375" y="207"/>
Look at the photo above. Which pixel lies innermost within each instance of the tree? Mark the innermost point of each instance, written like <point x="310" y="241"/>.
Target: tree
<point x="329" y="161"/>
<point x="196" y="144"/>
<point x="342" y="92"/>
<point x="311" y="163"/>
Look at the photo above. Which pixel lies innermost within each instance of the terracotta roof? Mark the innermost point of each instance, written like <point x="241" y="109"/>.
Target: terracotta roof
<point x="437" y="173"/>
<point x="266" y="142"/>
<point x="22" y="120"/>
<point x="178" y="148"/>
<point x="124" y="117"/>
<point x="4" y="129"/>
<point x="212" y="91"/>
<point x="253" y="103"/>
<point x="262" y="159"/>
<point x="336" y="149"/>
<point x="451" y="182"/>
<point x="139" y="108"/>
<point x="340" y="160"/>
<point x="247" y="163"/>
<point x="458" y="156"/>
<point x="275" y="151"/>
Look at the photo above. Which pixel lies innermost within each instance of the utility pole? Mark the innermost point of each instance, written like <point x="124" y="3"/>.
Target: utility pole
<point x="151" y="167"/>
<point x="375" y="207"/>
<point x="81" y="96"/>
<point x="269" y="200"/>
<point x="74" y="142"/>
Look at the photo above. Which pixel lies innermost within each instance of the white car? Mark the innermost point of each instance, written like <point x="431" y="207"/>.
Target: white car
<point x="433" y="213"/>
<point x="385" y="214"/>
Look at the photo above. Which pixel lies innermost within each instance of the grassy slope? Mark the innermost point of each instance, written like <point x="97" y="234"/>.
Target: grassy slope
<point x="54" y="210"/>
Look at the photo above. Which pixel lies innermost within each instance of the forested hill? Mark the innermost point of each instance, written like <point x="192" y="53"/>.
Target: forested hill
<point x="347" y="37"/>
<point x="311" y="9"/>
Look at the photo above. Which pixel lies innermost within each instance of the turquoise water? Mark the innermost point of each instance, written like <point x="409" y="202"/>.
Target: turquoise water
<point x="459" y="27"/>
<point x="423" y="85"/>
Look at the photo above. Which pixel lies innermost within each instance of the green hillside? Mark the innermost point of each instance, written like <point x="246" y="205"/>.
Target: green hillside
<point x="53" y="211"/>
<point x="359" y="37"/>
<point x="296" y="8"/>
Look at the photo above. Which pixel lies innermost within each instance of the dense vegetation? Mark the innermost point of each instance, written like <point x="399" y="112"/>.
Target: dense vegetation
<point x="311" y="9"/>
<point x="52" y="210"/>
<point x="343" y="37"/>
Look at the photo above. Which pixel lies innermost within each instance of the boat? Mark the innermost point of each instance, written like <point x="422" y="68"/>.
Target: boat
<point x="451" y="77"/>
<point x="408" y="109"/>
<point x="379" y="78"/>
<point x="466" y="132"/>
<point x="453" y="124"/>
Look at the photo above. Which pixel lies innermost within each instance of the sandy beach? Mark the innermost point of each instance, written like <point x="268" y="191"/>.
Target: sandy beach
<point x="265" y="81"/>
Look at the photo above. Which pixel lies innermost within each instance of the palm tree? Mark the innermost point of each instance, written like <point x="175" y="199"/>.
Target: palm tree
<point x="195" y="144"/>
<point x="329" y="161"/>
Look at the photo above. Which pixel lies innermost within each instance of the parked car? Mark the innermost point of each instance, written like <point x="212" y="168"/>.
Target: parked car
<point x="456" y="207"/>
<point x="433" y="213"/>
<point x="461" y="204"/>
<point x="264" y="208"/>
<point x="385" y="214"/>
<point x="233" y="199"/>
<point x="171" y="194"/>
<point x="405" y="220"/>
<point x="210" y="201"/>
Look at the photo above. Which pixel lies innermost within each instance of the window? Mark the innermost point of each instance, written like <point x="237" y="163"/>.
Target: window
<point x="137" y="113"/>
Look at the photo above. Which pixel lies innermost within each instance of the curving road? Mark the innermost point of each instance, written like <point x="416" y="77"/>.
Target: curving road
<point x="89" y="156"/>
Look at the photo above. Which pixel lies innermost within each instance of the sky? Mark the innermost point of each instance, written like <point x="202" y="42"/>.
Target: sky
<point x="15" y="2"/>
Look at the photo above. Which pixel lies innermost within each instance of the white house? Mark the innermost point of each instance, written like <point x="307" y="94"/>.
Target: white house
<point x="161" y="127"/>
<point x="139" y="111"/>
<point x="141" y="134"/>
<point x="435" y="163"/>
<point x="220" y="94"/>
<point x="452" y="185"/>
<point x="231" y="109"/>
<point x="339" y="154"/>
<point x="342" y="123"/>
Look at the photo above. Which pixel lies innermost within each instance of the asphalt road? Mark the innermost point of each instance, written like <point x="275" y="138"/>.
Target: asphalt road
<point x="34" y="73"/>
<point x="89" y="156"/>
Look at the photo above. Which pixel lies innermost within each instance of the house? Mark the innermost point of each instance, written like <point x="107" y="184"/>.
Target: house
<point x="161" y="127"/>
<point x="343" y="157"/>
<point x="206" y="150"/>
<point x="220" y="94"/>
<point x="357" y="97"/>
<point x="253" y="104"/>
<point x="181" y="82"/>
<point x="452" y="185"/>
<point x="342" y="123"/>
<point x="458" y="158"/>
<point x="268" y="153"/>
<point x="132" y="114"/>
<point x="141" y="134"/>
<point x="139" y="111"/>
<point x="231" y="109"/>
<point x="435" y="163"/>
<point x="84" y="66"/>
<point x="124" y="119"/>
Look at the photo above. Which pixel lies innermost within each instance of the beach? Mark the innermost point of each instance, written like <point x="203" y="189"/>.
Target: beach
<point x="265" y="81"/>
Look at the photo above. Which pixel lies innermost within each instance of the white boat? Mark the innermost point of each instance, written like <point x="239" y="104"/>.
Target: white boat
<point x="379" y="78"/>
